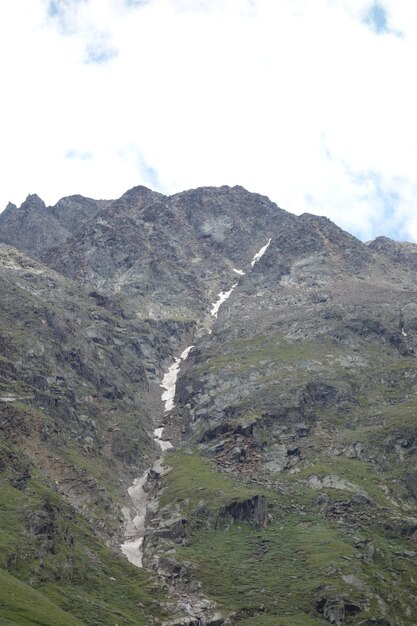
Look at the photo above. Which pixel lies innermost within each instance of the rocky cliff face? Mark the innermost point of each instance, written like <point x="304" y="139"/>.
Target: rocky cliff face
<point x="290" y="496"/>
<point x="304" y="394"/>
<point x="171" y="256"/>
<point x="35" y="228"/>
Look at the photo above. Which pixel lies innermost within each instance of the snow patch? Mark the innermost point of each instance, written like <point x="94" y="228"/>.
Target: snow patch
<point x="157" y="433"/>
<point x="260" y="254"/>
<point x="168" y="383"/>
<point x="222" y="297"/>
<point x="135" y="530"/>
<point x="185" y="353"/>
<point x="8" y="398"/>
<point x="133" y="551"/>
<point x="135" y="527"/>
<point x="170" y="380"/>
<point x="240" y="272"/>
<point x="164" y="443"/>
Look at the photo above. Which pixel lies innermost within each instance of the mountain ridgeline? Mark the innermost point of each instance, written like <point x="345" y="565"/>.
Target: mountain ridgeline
<point x="289" y="497"/>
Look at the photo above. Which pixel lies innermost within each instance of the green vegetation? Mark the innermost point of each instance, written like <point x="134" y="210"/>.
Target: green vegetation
<point x="193" y="479"/>
<point x="359" y="474"/>
<point x="45" y="543"/>
<point x="60" y="475"/>
<point x="272" y="576"/>
<point x="265" y="546"/>
<point x="274" y="572"/>
<point x="261" y="350"/>
<point x="20" y="605"/>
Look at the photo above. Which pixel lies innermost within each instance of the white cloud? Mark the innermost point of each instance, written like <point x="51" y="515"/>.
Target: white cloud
<point x="300" y="100"/>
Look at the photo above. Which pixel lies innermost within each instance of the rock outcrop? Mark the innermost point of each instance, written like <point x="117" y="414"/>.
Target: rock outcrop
<point x="290" y="497"/>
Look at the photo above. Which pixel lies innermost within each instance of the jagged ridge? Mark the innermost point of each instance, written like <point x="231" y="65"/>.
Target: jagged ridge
<point x="294" y="418"/>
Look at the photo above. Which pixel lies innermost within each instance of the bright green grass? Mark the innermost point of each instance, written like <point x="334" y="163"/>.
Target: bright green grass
<point x="20" y="605"/>
<point x="360" y="474"/>
<point x="194" y="479"/>
<point x="271" y="577"/>
<point x="68" y="564"/>
<point x="270" y="573"/>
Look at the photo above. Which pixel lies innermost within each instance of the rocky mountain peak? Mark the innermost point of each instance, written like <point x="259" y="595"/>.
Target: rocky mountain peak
<point x="35" y="228"/>
<point x="286" y="350"/>
<point x="403" y="253"/>
<point x="136" y="199"/>
<point x="311" y="250"/>
<point x="381" y="243"/>
<point x="325" y="234"/>
<point x="30" y="228"/>
<point x="10" y="208"/>
<point x="74" y="212"/>
<point x="177" y="252"/>
<point x="33" y="203"/>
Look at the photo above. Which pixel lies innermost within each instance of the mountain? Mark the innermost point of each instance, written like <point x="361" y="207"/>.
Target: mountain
<point x="289" y="497"/>
<point x="170" y="254"/>
<point x="35" y="228"/>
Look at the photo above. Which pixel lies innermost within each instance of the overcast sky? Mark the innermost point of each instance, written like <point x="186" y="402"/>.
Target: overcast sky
<point x="311" y="102"/>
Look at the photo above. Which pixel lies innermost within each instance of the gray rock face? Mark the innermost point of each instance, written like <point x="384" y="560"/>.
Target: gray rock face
<point x="253" y="511"/>
<point x="30" y="228"/>
<point x="170" y="255"/>
<point x="305" y="380"/>
<point x="336" y="609"/>
<point x="294" y="417"/>
<point x="35" y="228"/>
<point x="88" y="371"/>
<point x="173" y="255"/>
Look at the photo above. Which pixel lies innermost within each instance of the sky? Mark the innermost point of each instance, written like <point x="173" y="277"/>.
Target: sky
<point x="310" y="102"/>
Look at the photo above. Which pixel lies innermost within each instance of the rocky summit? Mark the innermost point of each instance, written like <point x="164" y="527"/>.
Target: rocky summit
<point x="208" y="415"/>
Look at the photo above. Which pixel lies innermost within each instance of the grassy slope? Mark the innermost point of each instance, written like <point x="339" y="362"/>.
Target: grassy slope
<point x="315" y="539"/>
<point x="47" y="544"/>
<point x="271" y="576"/>
<point x="20" y="605"/>
<point x="51" y="555"/>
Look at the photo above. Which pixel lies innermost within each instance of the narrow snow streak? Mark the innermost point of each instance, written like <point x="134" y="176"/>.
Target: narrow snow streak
<point x="260" y="254"/>
<point x="184" y="355"/>
<point x="222" y="297"/>
<point x="170" y="380"/>
<point x="135" y="528"/>
<point x="168" y="383"/>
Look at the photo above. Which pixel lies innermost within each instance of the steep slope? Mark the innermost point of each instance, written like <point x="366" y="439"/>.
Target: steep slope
<point x="296" y="477"/>
<point x="171" y="256"/>
<point x="34" y="228"/>
<point x="79" y="387"/>
<point x="290" y="498"/>
<point x="30" y="228"/>
<point x="82" y="361"/>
